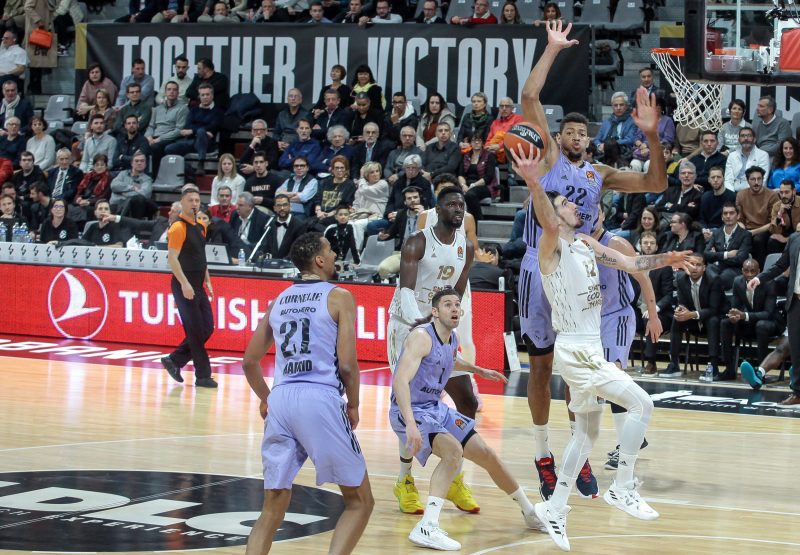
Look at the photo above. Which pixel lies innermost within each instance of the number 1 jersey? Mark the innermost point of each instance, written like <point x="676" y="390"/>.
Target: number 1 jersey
<point x="305" y="336"/>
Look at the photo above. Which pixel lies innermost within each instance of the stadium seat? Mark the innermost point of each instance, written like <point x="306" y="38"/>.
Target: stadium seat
<point x="79" y="128"/>
<point x="170" y="174"/>
<point x="770" y="261"/>
<point x="596" y="12"/>
<point x="628" y="20"/>
<point x="554" y="114"/>
<point x="460" y="8"/>
<point x="58" y="112"/>
<point x="374" y="253"/>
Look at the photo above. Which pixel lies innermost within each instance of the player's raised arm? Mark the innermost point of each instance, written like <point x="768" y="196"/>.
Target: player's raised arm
<point x="256" y="350"/>
<point x="342" y="308"/>
<point x="532" y="109"/>
<point x="633" y="264"/>
<point x="410" y="255"/>
<point x="417" y="346"/>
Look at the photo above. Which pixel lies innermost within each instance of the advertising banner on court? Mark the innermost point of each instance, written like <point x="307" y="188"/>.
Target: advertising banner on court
<point x="138" y="308"/>
<point x="268" y="60"/>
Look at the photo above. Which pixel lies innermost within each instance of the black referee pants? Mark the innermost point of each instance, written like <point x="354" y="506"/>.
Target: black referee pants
<point x="198" y="323"/>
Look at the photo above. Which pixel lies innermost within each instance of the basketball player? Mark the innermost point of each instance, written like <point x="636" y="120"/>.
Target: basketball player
<point x="430" y="260"/>
<point x="617" y="318"/>
<point x="565" y="171"/>
<point x="312" y="324"/>
<point x="426" y="425"/>
<point x="566" y="262"/>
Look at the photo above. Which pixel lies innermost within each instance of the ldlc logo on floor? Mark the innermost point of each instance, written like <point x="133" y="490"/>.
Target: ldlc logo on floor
<point x="77" y="303"/>
<point x="76" y="511"/>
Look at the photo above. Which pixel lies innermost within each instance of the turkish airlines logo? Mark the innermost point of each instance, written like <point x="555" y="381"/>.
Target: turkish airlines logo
<point x="77" y="303"/>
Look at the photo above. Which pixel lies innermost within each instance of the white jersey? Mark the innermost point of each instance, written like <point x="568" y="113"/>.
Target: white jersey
<point x="573" y="290"/>
<point x="439" y="267"/>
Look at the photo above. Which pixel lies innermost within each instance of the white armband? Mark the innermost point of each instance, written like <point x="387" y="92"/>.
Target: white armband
<point x="409" y="309"/>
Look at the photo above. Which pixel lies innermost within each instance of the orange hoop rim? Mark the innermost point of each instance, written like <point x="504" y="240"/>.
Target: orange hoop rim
<point x="670" y="51"/>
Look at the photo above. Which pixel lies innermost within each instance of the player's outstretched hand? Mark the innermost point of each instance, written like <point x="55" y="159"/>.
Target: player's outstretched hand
<point x="413" y="439"/>
<point x="526" y="165"/>
<point x="653" y="330"/>
<point x="647" y="112"/>
<point x="352" y="415"/>
<point x="679" y="260"/>
<point x="263" y="408"/>
<point x="557" y="34"/>
<point x="492" y="375"/>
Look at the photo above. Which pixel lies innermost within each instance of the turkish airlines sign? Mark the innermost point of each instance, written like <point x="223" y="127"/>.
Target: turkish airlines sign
<point x="138" y="308"/>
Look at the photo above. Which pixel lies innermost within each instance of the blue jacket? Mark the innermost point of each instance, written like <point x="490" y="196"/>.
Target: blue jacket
<point x="608" y="130"/>
<point x="309" y="150"/>
<point x="207" y="119"/>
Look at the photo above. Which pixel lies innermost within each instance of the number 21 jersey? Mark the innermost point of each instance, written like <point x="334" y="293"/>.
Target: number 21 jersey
<point x="305" y="336"/>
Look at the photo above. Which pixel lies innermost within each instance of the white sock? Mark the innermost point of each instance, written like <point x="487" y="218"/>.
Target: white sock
<point x="761" y="371"/>
<point x="432" y="509"/>
<point x="522" y="500"/>
<point x="405" y="468"/>
<point x="619" y="423"/>
<point x="625" y="469"/>
<point x="541" y="447"/>
<point x="460" y="467"/>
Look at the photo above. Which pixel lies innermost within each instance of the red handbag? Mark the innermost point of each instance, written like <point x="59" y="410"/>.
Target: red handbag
<point x="41" y="39"/>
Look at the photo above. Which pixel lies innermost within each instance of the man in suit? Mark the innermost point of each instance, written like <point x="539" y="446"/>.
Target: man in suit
<point x="751" y="313"/>
<point x="728" y="247"/>
<point x="63" y="180"/>
<point x="788" y="261"/>
<point x="700" y="302"/>
<point x="428" y="13"/>
<point x="372" y="149"/>
<point x="662" y="286"/>
<point x="332" y="114"/>
<point x="281" y="231"/>
<point x="247" y="224"/>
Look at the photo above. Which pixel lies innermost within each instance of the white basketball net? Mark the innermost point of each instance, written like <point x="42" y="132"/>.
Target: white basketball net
<point x="699" y="104"/>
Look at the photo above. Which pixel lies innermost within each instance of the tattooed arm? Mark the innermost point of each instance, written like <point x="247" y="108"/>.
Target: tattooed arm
<point x="632" y="264"/>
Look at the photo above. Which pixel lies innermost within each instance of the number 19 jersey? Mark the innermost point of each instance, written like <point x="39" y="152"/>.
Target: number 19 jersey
<point x="305" y="336"/>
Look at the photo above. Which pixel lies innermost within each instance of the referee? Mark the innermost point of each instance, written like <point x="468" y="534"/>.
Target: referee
<point x="186" y="240"/>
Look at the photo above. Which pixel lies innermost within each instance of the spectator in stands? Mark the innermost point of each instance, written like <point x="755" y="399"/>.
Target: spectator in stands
<point x="515" y="247"/>
<point x="394" y="163"/>
<point x="269" y="13"/>
<point x="303" y="146"/>
<point x="627" y="211"/>
<point x="666" y="135"/>
<point x="485" y="272"/>
<point x="9" y="216"/>
<point x="58" y="227"/>
<point x="63" y="179"/>
<point x="14" y="15"/>
<point x="619" y="127"/>
<point x="746" y="156"/>
<point x="337" y="141"/>
<point x="784" y="218"/>
<point x="96" y="80"/>
<point x="41" y="144"/>
<point x="647" y="80"/>
<point x="475" y="122"/>
<point x="281" y="232"/>
<point x="130" y="141"/>
<point x="96" y="140"/>
<point x="699" y="308"/>
<point x="13" y="59"/>
<point x="443" y="156"/>
<point x="221" y="14"/>
<point x="752" y="314"/>
<point x="105" y="232"/>
<point x="247" y="223"/>
<point x="728" y="247"/>
<point x="708" y="157"/>
<point x="729" y="133"/>
<point x="476" y="175"/>
<point x="383" y="14"/>
<point x="712" y="201"/>
<point x="412" y="178"/>
<point x="331" y="114"/>
<point x="167" y="11"/>
<point x="362" y="115"/>
<point x="285" y="130"/>
<point x="131" y="190"/>
<point x="224" y="207"/>
<point x="338" y="73"/>
<point x="103" y="107"/>
<point x="371" y="200"/>
<point x="353" y="14"/>
<point x="371" y="149"/>
<point x="403" y="226"/>
<point x="259" y="142"/>
<point x="332" y="9"/>
<point x="434" y="112"/>
<point x="301" y="187"/>
<point x="509" y="15"/>
<point x="769" y="128"/>
<point x="40" y="204"/>
<point x="683" y="235"/>
<point x="364" y="82"/>
<point x="755" y="208"/>
<point x="334" y="191"/>
<point x="550" y="12"/>
<point x="401" y="115"/>
<point x="134" y="106"/>
<point x="38" y="15"/>
<point x="156" y="228"/>
<point x="341" y="236"/>
<point x="139" y="11"/>
<point x="29" y="173"/>
<point x="166" y="124"/>
<point x="262" y="183"/>
<point x="662" y="280"/>
<point x="146" y="83"/>
<point x="12" y="143"/>
<point x="687" y="139"/>
<point x="685" y="198"/>
<point x="227" y="175"/>
<point x="480" y="16"/>
<point x="786" y="164"/>
<point x="428" y="14"/>
<point x="199" y="133"/>
<point x="14" y="105"/>
<point x="181" y="78"/>
<point x="218" y="81"/>
<point x="95" y="186"/>
<point x="506" y="118"/>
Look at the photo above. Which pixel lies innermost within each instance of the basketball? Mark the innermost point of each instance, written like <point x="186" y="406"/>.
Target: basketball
<point x="529" y="135"/>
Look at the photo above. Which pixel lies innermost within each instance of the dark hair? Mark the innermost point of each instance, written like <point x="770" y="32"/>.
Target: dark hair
<point x="646" y="68"/>
<point x="95" y="66"/>
<point x="342" y="206"/>
<point x="517" y="18"/>
<point x="442" y="104"/>
<point x="493" y="248"/>
<point x="411" y="189"/>
<point x="399" y="93"/>
<point x="26" y="153"/>
<point x="573" y="117"/>
<point x="40" y="119"/>
<point x="134" y="116"/>
<point x="752" y="170"/>
<point x="449" y="191"/>
<point x="363" y="68"/>
<point x="656" y="217"/>
<point x="730" y="204"/>
<point x="304" y="249"/>
<point x="97" y="116"/>
<point x="552" y="5"/>
<point x="301" y="120"/>
<point x="133" y="86"/>
<point x="41" y="187"/>
<point x="780" y="159"/>
<point x="552" y="195"/>
<point x="281" y="195"/>
<point x="788" y="182"/>
<point x="644" y="234"/>
<point x="138" y="62"/>
<point x="171" y="83"/>
<point x="717" y="168"/>
<point x="447" y="291"/>
<point x="260" y="153"/>
<point x="341" y="69"/>
<point x="180" y="58"/>
<point x="477" y="134"/>
<point x="100" y="158"/>
<point x="334" y="92"/>
<point x="748" y="129"/>
<point x="363" y="96"/>
<point x="707" y="132"/>
<point x="206" y="85"/>
<point x="737" y="102"/>
<point x="206" y="63"/>
<point x="685" y="219"/>
<point x="444" y="178"/>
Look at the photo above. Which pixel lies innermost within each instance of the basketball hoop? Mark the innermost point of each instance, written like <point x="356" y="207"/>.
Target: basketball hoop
<point x="699" y="104"/>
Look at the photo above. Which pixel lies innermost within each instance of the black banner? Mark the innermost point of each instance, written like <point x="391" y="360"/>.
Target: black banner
<point x="269" y="59"/>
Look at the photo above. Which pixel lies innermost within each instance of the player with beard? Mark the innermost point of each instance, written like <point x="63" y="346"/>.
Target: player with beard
<point x="430" y="260"/>
<point x="564" y="170"/>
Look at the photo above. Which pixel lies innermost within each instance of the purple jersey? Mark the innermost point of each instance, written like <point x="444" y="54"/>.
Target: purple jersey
<point x="434" y="370"/>
<point x="305" y="336"/>
<point x="581" y="184"/>
<point x="615" y="284"/>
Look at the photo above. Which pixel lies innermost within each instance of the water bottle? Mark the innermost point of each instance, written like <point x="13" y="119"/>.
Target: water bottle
<point x="709" y="375"/>
<point x="242" y="258"/>
<point x="24" y="236"/>
<point x="3" y="230"/>
<point x="16" y="234"/>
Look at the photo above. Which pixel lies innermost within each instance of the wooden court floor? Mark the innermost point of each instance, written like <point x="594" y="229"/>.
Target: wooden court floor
<point x="722" y="482"/>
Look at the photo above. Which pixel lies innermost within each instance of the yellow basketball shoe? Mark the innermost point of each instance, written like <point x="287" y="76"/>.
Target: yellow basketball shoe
<point x="407" y="495"/>
<point x="460" y="494"/>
